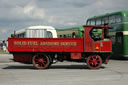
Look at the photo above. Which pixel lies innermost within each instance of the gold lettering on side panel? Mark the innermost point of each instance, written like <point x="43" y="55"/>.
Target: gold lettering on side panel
<point x="68" y="43"/>
<point x="49" y="43"/>
<point x="35" y="43"/>
<point x="25" y="43"/>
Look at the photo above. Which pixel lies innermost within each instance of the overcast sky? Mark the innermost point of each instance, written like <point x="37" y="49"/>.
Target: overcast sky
<point x="18" y="14"/>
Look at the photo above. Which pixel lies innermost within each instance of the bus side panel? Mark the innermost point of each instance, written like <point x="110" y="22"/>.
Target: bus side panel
<point x="45" y="45"/>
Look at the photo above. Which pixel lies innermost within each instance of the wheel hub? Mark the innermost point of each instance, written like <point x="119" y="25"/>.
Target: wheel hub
<point x="40" y="60"/>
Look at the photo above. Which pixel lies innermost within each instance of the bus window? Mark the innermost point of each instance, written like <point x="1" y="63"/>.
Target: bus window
<point x="119" y="37"/>
<point x="22" y="35"/>
<point x="69" y="36"/>
<point x="105" y="21"/>
<point x="106" y="35"/>
<point x="73" y="35"/>
<point x="113" y="39"/>
<point x="96" y="34"/>
<point x="82" y="33"/>
<point x="88" y="22"/>
<point x="117" y="18"/>
<point x="98" y="22"/>
<point x="126" y="18"/>
<point x="112" y="19"/>
<point x="49" y="34"/>
<point x="60" y="36"/>
<point x="92" y="22"/>
<point x="64" y="36"/>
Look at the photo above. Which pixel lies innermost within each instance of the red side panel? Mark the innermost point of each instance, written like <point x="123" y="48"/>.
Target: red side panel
<point x="106" y="46"/>
<point x="103" y="46"/>
<point x="45" y="44"/>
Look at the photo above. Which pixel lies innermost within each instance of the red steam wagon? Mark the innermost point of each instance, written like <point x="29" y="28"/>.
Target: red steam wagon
<point x="94" y="48"/>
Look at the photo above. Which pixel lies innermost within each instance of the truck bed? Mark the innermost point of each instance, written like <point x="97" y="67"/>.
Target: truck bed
<point x="45" y="45"/>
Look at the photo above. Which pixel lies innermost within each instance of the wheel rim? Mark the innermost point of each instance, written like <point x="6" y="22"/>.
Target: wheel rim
<point x="94" y="62"/>
<point x="40" y="61"/>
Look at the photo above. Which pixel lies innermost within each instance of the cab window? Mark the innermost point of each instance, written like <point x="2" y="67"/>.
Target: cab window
<point x="96" y="34"/>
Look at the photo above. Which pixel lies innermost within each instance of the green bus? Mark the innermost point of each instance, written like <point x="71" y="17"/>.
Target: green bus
<point x="75" y="32"/>
<point x="119" y="33"/>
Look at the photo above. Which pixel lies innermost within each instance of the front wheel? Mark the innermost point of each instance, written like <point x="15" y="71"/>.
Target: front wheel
<point x="94" y="61"/>
<point x="41" y="61"/>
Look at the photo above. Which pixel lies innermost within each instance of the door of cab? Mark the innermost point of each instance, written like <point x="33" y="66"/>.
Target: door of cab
<point x="88" y="42"/>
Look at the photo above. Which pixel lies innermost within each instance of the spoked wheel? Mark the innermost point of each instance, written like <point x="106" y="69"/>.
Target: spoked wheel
<point x="94" y="62"/>
<point x="41" y="61"/>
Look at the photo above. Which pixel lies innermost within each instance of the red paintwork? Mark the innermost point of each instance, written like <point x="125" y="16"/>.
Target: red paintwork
<point x="21" y="57"/>
<point x="60" y="45"/>
<point x="104" y="46"/>
<point x="75" y="46"/>
<point x="76" y="56"/>
<point x="89" y="43"/>
<point x="107" y="46"/>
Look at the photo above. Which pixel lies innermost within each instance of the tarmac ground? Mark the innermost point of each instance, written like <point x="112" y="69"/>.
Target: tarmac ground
<point x="62" y="73"/>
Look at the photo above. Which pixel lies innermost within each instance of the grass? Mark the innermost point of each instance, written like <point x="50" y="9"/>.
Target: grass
<point x="2" y="52"/>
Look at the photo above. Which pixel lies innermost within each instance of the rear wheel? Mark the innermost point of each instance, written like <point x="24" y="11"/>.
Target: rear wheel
<point x="41" y="61"/>
<point x="94" y="61"/>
